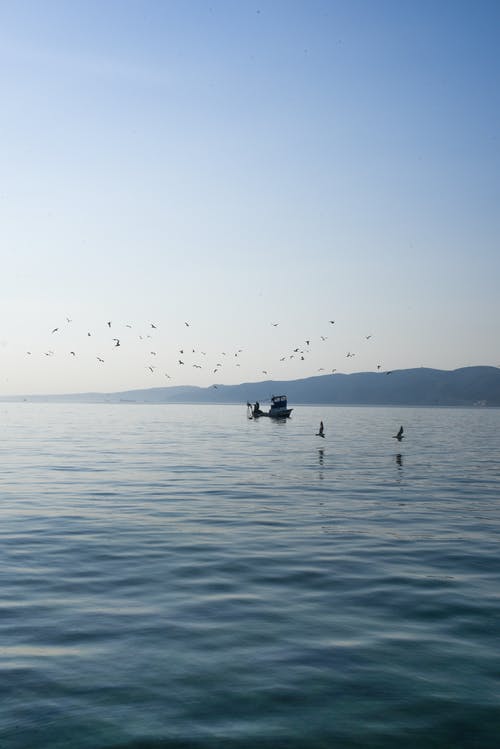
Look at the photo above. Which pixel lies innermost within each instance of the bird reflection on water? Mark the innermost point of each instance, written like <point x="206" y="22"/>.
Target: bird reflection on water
<point x="321" y="458"/>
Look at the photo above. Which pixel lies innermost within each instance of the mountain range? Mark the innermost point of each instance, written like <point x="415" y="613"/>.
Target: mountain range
<point x="467" y="386"/>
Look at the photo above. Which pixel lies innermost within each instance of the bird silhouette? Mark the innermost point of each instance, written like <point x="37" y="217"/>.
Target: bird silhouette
<point x="399" y="436"/>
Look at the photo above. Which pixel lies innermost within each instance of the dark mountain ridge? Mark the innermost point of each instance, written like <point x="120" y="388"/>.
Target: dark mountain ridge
<point x="467" y="386"/>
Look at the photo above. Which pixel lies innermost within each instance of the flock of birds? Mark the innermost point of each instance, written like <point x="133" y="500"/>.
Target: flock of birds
<point x="298" y="352"/>
<point x="187" y="355"/>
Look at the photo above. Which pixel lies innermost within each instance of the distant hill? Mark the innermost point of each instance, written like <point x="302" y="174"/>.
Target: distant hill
<point x="468" y="386"/>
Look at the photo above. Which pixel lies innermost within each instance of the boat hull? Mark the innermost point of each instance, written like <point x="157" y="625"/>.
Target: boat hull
<point x="283" y="414"/>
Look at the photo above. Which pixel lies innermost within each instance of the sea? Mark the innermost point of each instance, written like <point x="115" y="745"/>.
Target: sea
<point x="184" y="577"/>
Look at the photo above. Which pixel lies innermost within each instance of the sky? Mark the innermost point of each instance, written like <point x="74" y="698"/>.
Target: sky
<point x="255" y="170"/>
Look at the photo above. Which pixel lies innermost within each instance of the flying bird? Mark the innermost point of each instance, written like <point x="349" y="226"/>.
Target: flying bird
<point x="321" y="432"/>
<point x="109" y="323"/>
<point x="99" y="359"/>
<point x="186" y="324"/>
<point x="55" y="330"/>
<point x="399" y="436"/>
<point x="180" y="362"/>
<point x="117" y="341"/>
<point x="153" y="325"/>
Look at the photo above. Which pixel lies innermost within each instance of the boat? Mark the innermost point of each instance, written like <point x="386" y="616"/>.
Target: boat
<point x="279" y="409"/>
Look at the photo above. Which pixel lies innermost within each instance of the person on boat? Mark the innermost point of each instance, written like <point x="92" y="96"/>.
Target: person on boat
<point x="256" y="408"/>
<point x="321" y="432"/>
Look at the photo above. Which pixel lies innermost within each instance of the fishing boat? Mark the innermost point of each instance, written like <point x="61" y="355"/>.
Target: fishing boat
<point x="279" y="409"/>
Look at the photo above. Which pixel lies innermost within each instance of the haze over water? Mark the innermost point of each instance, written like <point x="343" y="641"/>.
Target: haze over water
<point x="180" y="576"/>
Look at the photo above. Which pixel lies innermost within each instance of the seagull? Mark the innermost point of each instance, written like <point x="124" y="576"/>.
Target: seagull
<point x="72" y="353"/>
<point x="180" y="362"/>
<point x="324" y="337"/>
<point x="368" y="337"/>
<point x="55" y="330"/>
<point x="399" y="436"/>
<point x="275" y="324"/>
<point x="151" y="369"/>
<point x="332" y="322"/>
<point x="117" y="341"/>
<point x="99" y="359"/>
<point x="109" y="323"/>
<point x="321" y="432"/>
<point x="186" y="324"/>
<point x="153" y="325"/>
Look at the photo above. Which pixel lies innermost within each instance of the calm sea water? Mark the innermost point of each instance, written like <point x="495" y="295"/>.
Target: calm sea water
<point x="180" y="576"/>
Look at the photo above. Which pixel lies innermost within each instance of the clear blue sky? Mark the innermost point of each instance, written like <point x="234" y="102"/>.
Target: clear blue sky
<point x="233" y="165"/>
